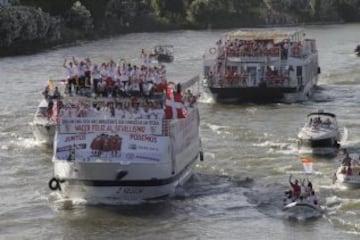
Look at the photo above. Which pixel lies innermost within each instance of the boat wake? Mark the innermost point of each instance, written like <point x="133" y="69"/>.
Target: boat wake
<point x="344" y="136"/>
<point x="278" y="147"/>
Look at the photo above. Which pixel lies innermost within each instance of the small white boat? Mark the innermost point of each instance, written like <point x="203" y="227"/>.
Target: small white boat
<point x="320" y="135"/>
<point x="348" y="177"/>
<point x="43" y="126"/>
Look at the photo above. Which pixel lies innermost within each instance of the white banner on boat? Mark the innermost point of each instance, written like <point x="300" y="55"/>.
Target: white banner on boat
<point x="105" y="147"/>
<point x="82" y="125"/>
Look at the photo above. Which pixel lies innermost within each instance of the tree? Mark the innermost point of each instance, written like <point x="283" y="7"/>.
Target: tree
<point x="79" y="17"/>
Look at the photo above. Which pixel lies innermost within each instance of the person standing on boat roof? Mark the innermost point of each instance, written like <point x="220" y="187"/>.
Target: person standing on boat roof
<point x="296" y="190"/>
<point x="72" y="74"/>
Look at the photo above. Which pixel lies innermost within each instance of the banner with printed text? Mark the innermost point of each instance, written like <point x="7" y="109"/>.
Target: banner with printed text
<point x="96" y="125"/>
<point x="110" y="147"/>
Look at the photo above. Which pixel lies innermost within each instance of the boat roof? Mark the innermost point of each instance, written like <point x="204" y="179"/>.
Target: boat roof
<point x="322" y="113"/>
<point x="164" y="46"/>
<point x="261" y="34"/>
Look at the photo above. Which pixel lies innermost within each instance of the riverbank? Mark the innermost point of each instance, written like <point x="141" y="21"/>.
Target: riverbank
<point x="29" y="29"/>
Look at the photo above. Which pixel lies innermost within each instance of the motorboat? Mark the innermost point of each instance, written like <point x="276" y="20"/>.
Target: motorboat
<point x="357" y="50"/>
<point x="348" y="176"/>
<point x="301" y="202"/>
<point x="320" y="134"/>
<point x="255" y="65"/>
<point x="163" y="53"/>
<point x="131" y="148"/>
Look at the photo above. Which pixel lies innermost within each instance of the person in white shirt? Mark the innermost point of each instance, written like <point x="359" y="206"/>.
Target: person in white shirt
<point x="313" y="199"/>
<point x="96" y="77"/>
<point x="72" y="75"/>
<point x="159" y="111"/>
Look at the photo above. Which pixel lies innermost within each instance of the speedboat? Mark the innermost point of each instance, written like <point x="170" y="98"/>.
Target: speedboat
<point x="320" y="134"/>
<point x="127" y="148"/>
<point x="357" y="50"/>
<point x="348" y="176"/>
<point x="43" y="125"/>
<point x="163" y="53"/>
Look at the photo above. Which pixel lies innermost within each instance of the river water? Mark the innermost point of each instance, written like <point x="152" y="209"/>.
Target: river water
<point x="250" y="150"/>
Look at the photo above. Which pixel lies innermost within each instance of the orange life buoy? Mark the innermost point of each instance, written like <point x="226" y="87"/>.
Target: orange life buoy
<point x="212" y="51"/>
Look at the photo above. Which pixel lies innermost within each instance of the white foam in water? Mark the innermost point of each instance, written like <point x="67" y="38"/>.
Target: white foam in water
<point x="344" y="136"/>
<point x="206" y="98"/>
<point x="27" y="142"/>
<point x="284" y="148"/>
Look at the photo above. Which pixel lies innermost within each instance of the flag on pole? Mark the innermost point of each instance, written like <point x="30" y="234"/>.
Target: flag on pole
<point x="308" y="165"/>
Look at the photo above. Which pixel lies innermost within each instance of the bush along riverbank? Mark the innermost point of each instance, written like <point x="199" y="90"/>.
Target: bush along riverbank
<point x="28" y="26"/>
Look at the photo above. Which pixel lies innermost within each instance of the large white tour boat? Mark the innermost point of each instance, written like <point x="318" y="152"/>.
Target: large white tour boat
<point x="133" y="146"/>
<point x="320" y="135"/>
<point x="262" y="65"/>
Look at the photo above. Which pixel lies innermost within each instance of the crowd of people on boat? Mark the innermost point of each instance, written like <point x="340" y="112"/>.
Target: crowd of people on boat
<point x="126" y="110"/>
<point x="137" y="91"/>
<point x="257" y="48"/>
<point x="112" y="79"/>
<point x="239" y="76"/>
<point x="300" y="192"/>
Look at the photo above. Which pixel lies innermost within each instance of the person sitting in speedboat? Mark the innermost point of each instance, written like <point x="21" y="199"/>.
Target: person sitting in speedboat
<point x="327" y="122"/>
<point x="295" y="188"/>
<point x="312" y="199"/>
<point x="288" y="197"/>
<point x="346" y="163"/>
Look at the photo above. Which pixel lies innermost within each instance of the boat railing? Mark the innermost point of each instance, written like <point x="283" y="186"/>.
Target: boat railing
<point x="247" y="80"/>
<point x="250" y="53"/>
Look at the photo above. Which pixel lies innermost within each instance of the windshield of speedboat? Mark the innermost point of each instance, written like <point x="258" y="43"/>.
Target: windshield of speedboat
<point x="321" y="121"/>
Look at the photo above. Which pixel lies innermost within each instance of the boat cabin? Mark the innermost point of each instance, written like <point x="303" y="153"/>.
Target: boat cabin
<point x="164" y="53"/>
<point x="252" y="58"/>
<point x="321" y="119"/>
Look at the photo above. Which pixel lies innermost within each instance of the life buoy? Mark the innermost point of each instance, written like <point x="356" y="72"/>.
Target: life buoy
<point x="54" y="184"/>
<point x="212" y="51"/>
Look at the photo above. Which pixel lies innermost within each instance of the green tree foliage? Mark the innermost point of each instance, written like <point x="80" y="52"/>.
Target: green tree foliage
<point x="79" y="17"/>
<point x="21" y="24"/>
<point x="204" y="12"/>
<point x="349" y="10"/>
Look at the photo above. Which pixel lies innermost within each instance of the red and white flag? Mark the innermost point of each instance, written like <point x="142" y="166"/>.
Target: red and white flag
<point x="174" y="107"/>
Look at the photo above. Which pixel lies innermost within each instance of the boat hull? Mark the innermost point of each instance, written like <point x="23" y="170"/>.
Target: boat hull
<point x="44" y="133"/>
<point x="165" y="58"/>
<point x="318" y="146"/>
<point x="86" y="181"/>
<point x="302" y="210"/>
<point x="260" y="94"/>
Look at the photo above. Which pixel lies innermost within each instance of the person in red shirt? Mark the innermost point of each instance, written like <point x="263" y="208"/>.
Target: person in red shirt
<point x="295" y="188"/>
